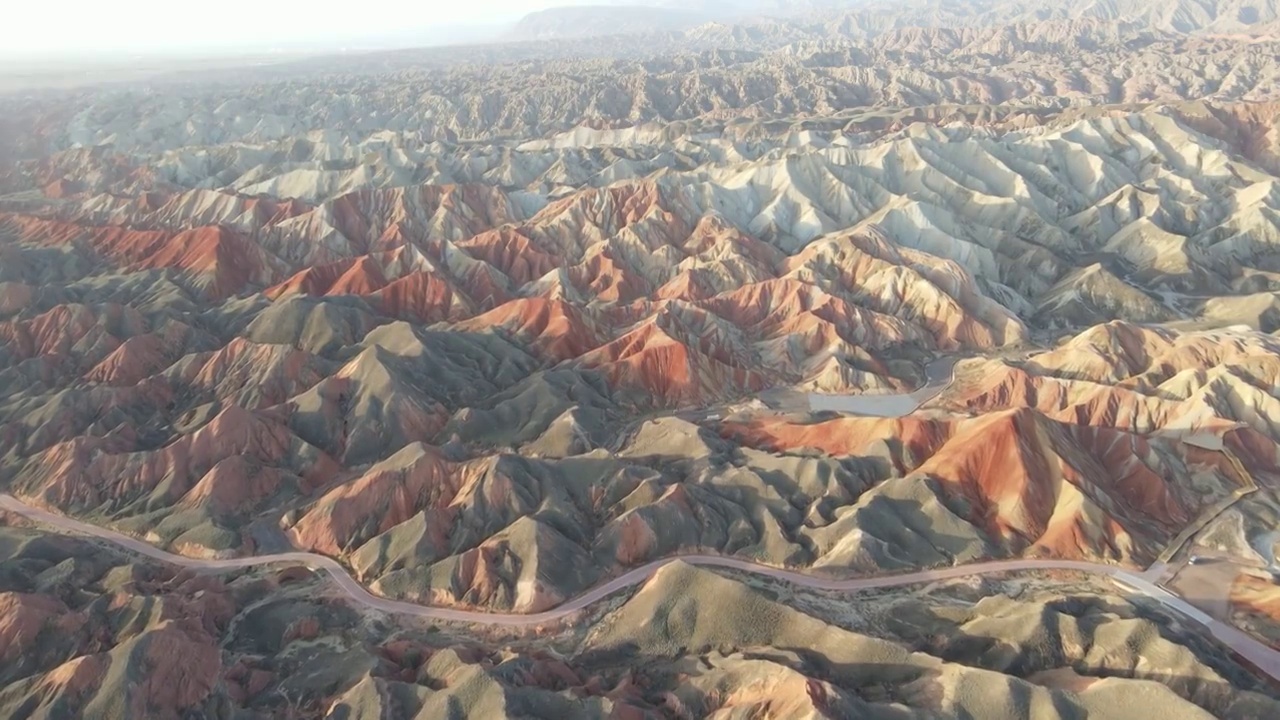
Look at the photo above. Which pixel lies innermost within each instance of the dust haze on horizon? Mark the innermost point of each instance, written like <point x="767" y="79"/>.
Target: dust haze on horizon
<point x="134" y="29"/>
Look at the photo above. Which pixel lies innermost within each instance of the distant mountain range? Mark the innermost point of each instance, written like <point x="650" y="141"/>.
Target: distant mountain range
<point x="589" y="21"/>
<point x="628" y="18"/>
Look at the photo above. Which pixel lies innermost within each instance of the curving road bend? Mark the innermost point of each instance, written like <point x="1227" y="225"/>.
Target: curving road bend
<point x="1256" y="653"/>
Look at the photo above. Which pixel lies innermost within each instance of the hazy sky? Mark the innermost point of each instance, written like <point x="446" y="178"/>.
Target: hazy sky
<point x="71" y="27"/>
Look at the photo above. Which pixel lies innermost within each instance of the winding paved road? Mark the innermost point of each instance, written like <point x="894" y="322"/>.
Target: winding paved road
<point x="940" y="376"/>
<point x="1256" y="653"/>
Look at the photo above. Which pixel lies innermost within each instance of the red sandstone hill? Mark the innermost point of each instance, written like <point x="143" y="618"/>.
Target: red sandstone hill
<point x="351" y="276"/>
<point x="375" y="219"/>
<point x="1062" y="490"/>
<point x="222" y="262"/>
<point x="1032" y="485"/>
<point x="219" y="262"/>
<point x="679" y="356"/>
<point x="912" y="439"/>
<point x="80" y="474"/>
<point x="423" y="297"/>
<point x="631" y="248"/>
<point x="416" y="479"/>
<point x="77" y="333"/>
<point x="778" y="308"/>
<point x="1142" y="380"/>
<point x="553" y="328"/>
<point x="508" y="250"/>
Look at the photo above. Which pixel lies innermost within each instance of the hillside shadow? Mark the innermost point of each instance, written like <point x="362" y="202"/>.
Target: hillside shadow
<point x="665" y="683"/>
<point x="1035" y="660"/>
